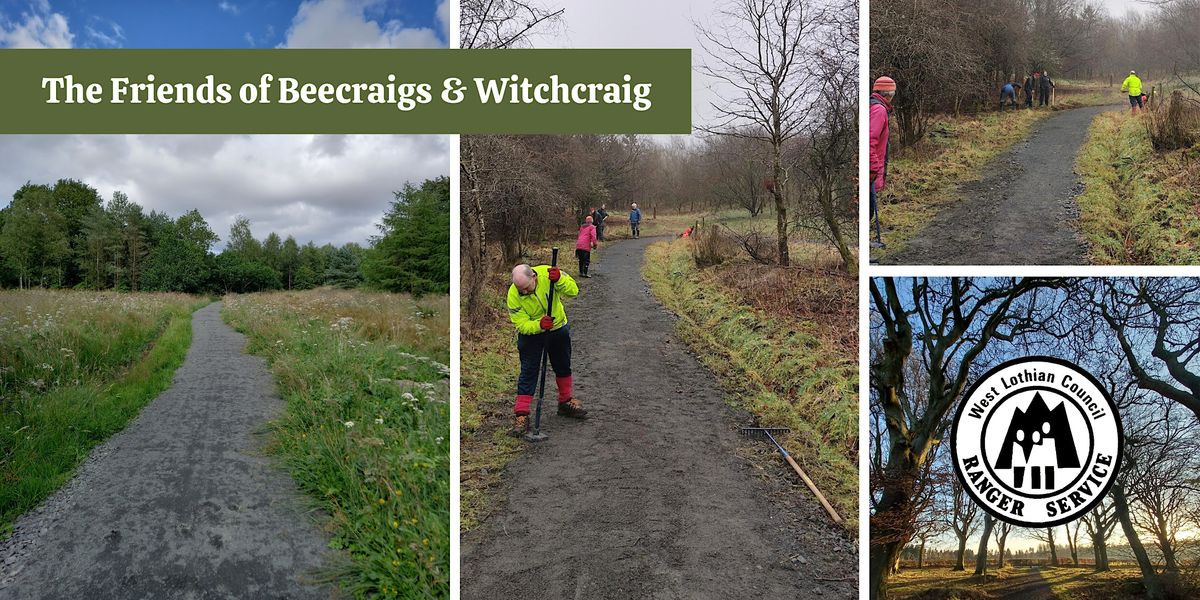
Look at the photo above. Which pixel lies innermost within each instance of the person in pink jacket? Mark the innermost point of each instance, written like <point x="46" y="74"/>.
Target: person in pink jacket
<point x="883" y="91"/>
<point x="584" y="244"/>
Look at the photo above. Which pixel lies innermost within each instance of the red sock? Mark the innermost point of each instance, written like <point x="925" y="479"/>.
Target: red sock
<point x="522" y="405"/>
<point x="564" y="388"/>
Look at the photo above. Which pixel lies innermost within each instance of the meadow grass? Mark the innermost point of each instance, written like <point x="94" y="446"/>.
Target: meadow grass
<point x="924" y="178"/>
<point x="784" y="344"/>
<point x="1138" y="206"/>
<point x="366" y="429"/>
<point x="75" y="368"/>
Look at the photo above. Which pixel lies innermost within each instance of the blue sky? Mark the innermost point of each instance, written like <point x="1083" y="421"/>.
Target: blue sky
<point x="223" y="23"/>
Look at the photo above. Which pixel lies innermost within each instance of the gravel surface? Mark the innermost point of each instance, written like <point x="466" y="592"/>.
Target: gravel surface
<point x="653" y="496"/>
<point x="182" y="503"/>
<point x="1023" y="210"/>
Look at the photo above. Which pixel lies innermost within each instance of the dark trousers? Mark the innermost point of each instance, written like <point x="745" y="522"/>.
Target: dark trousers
<point x="530" y="347"/>
<point x="600" y="232"/>
<point x="1044" y="99"/>
<point x="635" y="227"/>
<point x="585" y="260"/>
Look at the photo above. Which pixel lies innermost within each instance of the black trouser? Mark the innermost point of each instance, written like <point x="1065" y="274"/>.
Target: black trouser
<point x="1045" y="98"/>
<point x="600" y="232"/>
<point x="530" y="347"/>
<point x="636" y="228"/>
<point x="585" y="260"/>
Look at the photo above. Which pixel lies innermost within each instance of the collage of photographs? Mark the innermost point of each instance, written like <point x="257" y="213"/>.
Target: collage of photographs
<point x="913" y="313"/>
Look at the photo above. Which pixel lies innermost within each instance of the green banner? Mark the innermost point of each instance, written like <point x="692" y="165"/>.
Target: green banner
<point x="345" y="91"/>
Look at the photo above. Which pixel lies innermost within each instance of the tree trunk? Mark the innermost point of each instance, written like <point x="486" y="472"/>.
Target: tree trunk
<point x="777" y="191"/>
<point x="1053" y="548"/>
<point x="882" y="557"/>
<point x="1168" y="549"/>
<point x="961" y="562"/>
<point x="921" y="556"/>
<point x="1098" y="552"/>
<point x="1154" y="586"/>
<point x="981" y="555"/>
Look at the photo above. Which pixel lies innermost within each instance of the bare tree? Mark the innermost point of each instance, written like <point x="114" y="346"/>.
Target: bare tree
<point x="759" y="49"/>
<point x="954" y="320"/>
<point x="989" y="522"/>
<point x="1001" y="531"/>
<point x="1047" y="536"/>
<point x="829" y="155"/>
<point x="502" y="23"/>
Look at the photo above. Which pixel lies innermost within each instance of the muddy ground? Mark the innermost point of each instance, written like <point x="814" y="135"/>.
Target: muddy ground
<point x="182" y="503"/>
<point x="652" y="497"/>
<point x="1023" y="210"/>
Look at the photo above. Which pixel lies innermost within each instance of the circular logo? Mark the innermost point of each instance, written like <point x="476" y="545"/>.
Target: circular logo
<point x="1037" y="442"/>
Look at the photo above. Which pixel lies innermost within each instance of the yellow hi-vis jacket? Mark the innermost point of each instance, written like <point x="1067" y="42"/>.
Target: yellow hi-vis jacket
<point x="1133" y="84"/>
<point x="526" y="311"/>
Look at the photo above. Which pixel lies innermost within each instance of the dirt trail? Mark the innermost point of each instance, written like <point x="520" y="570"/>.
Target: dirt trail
<point x="648" y="498"/>
<point x="182" y="503"/>
<point x="1030" y="586"/>
<point x="1021" y="212"/>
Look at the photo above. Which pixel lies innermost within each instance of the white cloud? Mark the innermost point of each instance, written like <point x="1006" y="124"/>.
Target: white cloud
<point x="324" y="188"/>
<point x="345" y="24"/>
<point x="105" y="33"/>
<point x="229" y="7"/>
<point x="443" y="16"/>
<point x="38" y="27"/>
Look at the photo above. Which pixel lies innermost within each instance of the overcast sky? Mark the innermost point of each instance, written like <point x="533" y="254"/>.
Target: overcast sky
<point x="639" y="24"/>
<point x="319" y="188"/>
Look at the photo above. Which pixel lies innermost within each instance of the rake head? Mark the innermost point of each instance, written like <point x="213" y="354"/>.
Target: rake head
<point x="763" y="433"/>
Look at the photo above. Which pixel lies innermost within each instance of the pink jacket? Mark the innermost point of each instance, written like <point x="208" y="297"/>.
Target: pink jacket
<point x="879" y="138"/>
<point x="587" y="237"/>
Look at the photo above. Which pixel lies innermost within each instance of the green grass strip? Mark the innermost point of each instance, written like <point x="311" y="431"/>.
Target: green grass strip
<point x="366" y="434"/>
<point x="1137" y="206"/>
<point x="47" y="436"/>
<point x="780" y="372"/>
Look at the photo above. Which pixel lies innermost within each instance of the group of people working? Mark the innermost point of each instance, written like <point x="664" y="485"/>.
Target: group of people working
<point x="1037" y="86"/>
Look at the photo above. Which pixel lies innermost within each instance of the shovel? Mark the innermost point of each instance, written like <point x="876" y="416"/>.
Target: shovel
<point x="536" y="434"/>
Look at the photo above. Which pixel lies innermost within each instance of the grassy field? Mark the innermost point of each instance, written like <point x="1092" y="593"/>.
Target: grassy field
<point x="1122" y="582"/>
<point x="784" y="342"/>
<point x="75" y="367"/>
<point x="923" y="178"/>
<point x="366" y="430"/>
<point x="1138" y="206"/>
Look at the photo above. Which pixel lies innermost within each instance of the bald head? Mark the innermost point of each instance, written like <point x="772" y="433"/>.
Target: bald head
<point x="587" y="219"/>
<point x="524" y="278"/>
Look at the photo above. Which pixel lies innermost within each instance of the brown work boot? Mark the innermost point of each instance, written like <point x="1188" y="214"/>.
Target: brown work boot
<point x="520" y="426"/>
<point x="572" y="409"/>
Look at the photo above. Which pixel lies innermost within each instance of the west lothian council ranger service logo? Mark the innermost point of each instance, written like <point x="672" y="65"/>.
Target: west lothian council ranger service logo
<point x="1037" y="442"/>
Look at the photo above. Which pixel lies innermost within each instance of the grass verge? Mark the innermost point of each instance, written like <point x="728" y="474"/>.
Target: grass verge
<point x="1138" y="206"/>
<point x="789" y="369"/>
<point x="78" y="367"/>
<point x="489" y="369"/>
<point x="1123" y="581"/>
<point x="366" y="429"/>
<point x="923" y="178"/>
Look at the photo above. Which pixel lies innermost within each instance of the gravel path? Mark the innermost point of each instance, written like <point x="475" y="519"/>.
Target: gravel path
<point x="182" y="503"/>
<point x="649" y="498"/>
<point x="1021" y="212"/>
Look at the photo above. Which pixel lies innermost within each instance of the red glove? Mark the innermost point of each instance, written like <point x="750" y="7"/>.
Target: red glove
<point x="555" y="274"/>
<point x="547" y="322"/>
